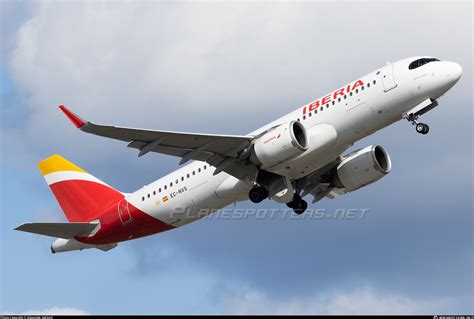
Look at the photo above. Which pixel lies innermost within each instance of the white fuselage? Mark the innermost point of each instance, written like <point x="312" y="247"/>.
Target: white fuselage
<point x="385" y="95"/>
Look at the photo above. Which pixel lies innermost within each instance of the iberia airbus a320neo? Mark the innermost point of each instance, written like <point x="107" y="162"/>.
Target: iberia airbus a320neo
<point x="297" y="155"/>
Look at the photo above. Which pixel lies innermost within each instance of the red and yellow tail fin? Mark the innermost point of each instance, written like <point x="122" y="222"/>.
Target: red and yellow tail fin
<point x="81" y="196"/>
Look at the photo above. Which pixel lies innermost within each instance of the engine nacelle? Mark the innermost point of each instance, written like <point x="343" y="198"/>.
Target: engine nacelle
<point x="280" y="144"/>
<point x="363" y="167"/>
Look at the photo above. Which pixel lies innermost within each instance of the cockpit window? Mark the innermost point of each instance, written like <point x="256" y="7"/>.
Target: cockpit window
<point x="417" y="63"/>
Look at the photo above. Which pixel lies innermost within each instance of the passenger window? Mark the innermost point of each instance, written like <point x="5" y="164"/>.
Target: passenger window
<point x="321" y="108"/>
<point x="187" y="175"/>
<point x="368" y="85"/>
<point x="362" y="88"/>
<point x="199" y="170"/>
<point x="154" y="193"/>
<point x="143" y="199"/>
<point x="182" y="178"/>
<point x="333" y="102"/>
<point x="177" y="181"/>
<point x="165" y="187"/>
<point x="350" y="93"/>
<point x="345" y="96"/>
<point x="171" y="184"/>
<point x="304" y="117"/>
<point x="159" y="190"/>
<point x="357" y="90"/>
<point x="339" y="99"/>
<point x="205" y="166"/>
<point x="309" y="114"/>
<point x="374" y="82"/>
<point x="148" y="195"/>
<point x="194" y="172"/>
<point x="315" y="111"/>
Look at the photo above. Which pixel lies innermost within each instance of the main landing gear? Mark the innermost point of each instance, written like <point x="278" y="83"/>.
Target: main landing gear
<point x="421" y="128"/>
<point x="298" y="204"/>
<point x="258" y="193"/>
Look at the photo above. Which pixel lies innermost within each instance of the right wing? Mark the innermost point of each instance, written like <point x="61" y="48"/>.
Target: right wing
<point x="227" y="153"/>
<point x="60" y="230"/>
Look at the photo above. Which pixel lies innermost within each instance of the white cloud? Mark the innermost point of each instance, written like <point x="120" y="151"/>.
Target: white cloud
<point x="54" y="311"/>
<point x="179" y="67"/>
<point x="142" y="64"/>
<point x="360" y="301"/>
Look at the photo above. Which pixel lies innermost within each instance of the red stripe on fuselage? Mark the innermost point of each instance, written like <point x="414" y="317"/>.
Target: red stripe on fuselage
<point x="112" y="230"/>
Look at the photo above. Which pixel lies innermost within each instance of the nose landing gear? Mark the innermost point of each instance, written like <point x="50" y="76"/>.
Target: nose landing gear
<point x="421" y="128"/>
<point x="420" y="109"/>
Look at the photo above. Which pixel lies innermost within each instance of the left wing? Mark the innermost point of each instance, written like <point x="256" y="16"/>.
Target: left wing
<point x="226" y="152"/>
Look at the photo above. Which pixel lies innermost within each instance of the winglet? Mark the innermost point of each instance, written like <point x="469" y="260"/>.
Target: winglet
<point x="76" y="120"/>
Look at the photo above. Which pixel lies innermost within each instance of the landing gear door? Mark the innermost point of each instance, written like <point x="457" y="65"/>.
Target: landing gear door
<point x="388" y="79"/>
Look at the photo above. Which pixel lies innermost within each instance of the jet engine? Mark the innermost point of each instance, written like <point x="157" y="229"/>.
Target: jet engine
<point x="362" y="168"/>
<point x="280" y="144"/>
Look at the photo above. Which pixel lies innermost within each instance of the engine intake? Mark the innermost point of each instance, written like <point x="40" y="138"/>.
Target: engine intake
<point x="280" y="144"/>
<point x="363" y="167"/>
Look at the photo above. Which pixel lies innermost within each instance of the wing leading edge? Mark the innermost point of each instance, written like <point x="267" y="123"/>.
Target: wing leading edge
<point x="226" y="152"/>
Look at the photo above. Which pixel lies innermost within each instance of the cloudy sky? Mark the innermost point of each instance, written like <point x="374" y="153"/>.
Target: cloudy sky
<point x="230" y="68"/>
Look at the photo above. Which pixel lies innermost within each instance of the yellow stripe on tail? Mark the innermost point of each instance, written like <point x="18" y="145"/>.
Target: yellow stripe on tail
<point x="57" y="163"/>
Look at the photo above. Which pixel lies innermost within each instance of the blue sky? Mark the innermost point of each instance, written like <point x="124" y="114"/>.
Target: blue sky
<point x="220" y="68"/>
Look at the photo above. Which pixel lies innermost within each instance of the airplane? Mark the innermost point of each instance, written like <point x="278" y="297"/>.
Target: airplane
<point x="297" y="155"/>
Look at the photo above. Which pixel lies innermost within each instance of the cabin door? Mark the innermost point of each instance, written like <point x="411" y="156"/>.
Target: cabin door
<point x="388" y="80"/>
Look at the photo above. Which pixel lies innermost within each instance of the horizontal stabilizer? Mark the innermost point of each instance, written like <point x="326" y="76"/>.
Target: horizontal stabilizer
<point x="60" y="230"/>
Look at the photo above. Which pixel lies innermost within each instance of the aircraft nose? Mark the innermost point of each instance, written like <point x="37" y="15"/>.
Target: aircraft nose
<point x="445" y="75"/>
<point x="457" y="71"/>
<point x="454" y="72"/>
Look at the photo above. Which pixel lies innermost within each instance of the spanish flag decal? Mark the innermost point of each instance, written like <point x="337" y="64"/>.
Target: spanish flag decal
<point x="165" y="199"/>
